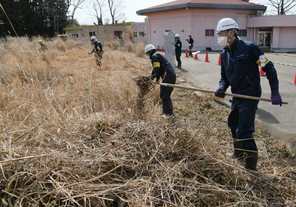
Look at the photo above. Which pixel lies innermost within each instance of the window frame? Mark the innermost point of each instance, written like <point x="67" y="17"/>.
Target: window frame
<point x="209" y="32"/>
<point x="243" y="33"/>
<point x="141" y="34"/>
<point x="92" y="33"/>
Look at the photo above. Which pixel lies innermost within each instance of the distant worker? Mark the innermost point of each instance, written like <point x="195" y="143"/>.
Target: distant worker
<point x="239" y="70"/>
<point x="162" y="69"/>
<point x="178" y="50"/>
<point x="191" y="45"/>
<point x="97" y="49"/>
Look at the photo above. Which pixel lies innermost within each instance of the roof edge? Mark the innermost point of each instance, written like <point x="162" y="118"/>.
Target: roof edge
<point x="202" y="6"/>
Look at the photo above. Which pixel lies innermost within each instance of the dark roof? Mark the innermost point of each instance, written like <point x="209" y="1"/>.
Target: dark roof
<point x="203" y="4"/>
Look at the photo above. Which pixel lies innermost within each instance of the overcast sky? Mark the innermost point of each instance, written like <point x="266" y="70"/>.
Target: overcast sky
<point x="85" y="15"/>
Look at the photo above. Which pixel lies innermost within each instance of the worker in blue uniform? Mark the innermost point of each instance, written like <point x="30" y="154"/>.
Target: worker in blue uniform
<point x="164" y="70"/>
<point x="239" y="70"/>
<point x="178" y="50"/>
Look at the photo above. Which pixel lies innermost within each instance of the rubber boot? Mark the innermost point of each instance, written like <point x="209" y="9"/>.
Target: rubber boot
<point x="251" y="161"/>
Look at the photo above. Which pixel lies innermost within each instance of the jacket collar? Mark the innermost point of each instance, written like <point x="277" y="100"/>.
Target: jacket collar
<point x="234" y="46"/>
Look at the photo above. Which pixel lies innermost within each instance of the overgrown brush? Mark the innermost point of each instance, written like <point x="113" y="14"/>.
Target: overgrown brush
<point x="128" y="46"/>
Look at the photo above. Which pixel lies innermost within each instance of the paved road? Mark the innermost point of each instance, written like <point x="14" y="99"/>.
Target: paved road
<point x="279" y="121"/>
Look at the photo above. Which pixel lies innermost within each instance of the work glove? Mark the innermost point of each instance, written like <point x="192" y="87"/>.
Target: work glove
<point x="220" y="93"/>
<point x="276" y="98"/>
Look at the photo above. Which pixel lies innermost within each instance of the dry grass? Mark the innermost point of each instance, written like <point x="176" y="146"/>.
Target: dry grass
<point x="70" y="136"/>
<point x="136" y="48"/>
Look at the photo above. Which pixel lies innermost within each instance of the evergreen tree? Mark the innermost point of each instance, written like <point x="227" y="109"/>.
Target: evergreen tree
<point x="34" y="17"/>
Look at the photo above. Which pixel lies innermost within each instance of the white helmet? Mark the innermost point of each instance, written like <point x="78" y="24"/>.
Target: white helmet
<point x="93" y="38"/>
<point x="149" y="48"/>
<point x="226" y="24"/>
<point x="177" y="35"/>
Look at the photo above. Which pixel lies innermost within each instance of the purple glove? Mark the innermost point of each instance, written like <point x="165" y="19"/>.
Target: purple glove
<point x="276" y="99"/>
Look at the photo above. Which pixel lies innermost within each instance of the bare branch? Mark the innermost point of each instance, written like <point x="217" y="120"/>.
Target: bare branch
<point x="115" y="7"/>
<point x="283" y="6"/>
<point x="292" y="3"/>
<point x="292" y="7"/>
<point x="75" y="4"/>
<point x="98" y="8"/>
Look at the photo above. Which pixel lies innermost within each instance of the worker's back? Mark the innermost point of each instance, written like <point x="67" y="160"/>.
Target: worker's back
<point x="167" y="71"/>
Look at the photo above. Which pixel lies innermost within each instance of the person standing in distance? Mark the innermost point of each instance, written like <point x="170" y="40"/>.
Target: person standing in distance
<point x="190" y="41"/>
<point x="178" y="50"/>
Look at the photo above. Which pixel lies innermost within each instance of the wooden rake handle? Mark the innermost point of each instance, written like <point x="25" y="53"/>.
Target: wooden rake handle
<point x="213" y="92"/>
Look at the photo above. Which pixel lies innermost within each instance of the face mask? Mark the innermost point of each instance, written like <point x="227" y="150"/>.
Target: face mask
<point x="222" y="41"/>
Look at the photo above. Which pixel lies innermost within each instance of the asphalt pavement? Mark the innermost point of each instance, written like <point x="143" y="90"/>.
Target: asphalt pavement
<point x="279" y="121"/>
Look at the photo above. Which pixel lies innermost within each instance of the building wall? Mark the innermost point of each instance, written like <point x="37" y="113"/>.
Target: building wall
<point x="252" y="35"/>
<point x="283" y="31"/>
<point x="283" y="38"/>
<point x="287" y="38"/>
<point x="104" y="33"/>
<point x="107" y="32"/>
<point x="177" y="22"/>
<point x="194" y="22"/>
<point x="275" y="37"/>
<point x="272" y="21"/>
<point x="203" y="20"/>
<point x="139" y="32"/>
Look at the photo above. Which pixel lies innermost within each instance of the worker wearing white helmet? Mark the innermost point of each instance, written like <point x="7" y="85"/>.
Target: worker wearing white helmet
<point x="239" y="70"/>
<point x="227" y="30"/>
<point x="97" y="50"/>
<point x="93" y="38"/>
<point x="164" y="70"/>
<point x="178" y="50"/>
<point x="98" y="47"/>
<point x="149" y="48"/>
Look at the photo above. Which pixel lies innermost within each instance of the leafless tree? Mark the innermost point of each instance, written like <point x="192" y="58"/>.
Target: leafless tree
<point x="75" y="4"/>
<point x="98" y="8"/>
<point x="115" y="7"/>
<point x="283" y="6"/>
<point x="68" y="4"/>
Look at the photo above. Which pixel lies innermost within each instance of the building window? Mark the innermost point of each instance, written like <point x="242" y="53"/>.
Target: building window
<point x="210" y="32"/>
<point x="92" y="34"/>
<point x="142" y="34"/>
<point x="242" y="33"/>
<point x="75" y="35"/>
<point x="167" y="30"/>
<point x="118" y="34"/>
<point x="135" y="34"/>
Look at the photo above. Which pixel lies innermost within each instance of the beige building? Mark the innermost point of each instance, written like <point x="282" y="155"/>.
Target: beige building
<point x="199" y="19"/>
<point x="128" y="31"/>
